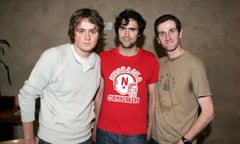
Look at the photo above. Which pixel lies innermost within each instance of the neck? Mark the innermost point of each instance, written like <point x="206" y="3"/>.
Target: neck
<point x="176" y="53"/>
<point x="81" y="53"/>
<point x="128" y="51"/>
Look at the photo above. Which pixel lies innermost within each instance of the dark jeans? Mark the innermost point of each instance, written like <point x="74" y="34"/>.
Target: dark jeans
<point x="152" y="141"/>
<point x="44" y="142"/>
<point x="103" y="137"/>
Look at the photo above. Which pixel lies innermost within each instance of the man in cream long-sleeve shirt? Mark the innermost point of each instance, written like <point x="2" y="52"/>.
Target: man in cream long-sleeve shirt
<point x="66" y="78"/>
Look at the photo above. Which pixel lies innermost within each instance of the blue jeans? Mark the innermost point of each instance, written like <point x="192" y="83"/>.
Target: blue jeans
<point x="103" y="137"/>
<point x="41" y="141"/>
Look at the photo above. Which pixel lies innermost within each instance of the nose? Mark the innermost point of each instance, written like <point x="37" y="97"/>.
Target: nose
<point x="167" y="36"/>
<point x="126" y="33"/>
<point x="87" y="36"/>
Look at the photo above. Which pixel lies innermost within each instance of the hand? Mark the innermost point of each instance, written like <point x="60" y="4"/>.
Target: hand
<point x="94" y="135"/>
<point x="34" y="140"/>
<point x="148" y="134"/>
<point x="183" y="142"/>
<point x="180" y="141"/>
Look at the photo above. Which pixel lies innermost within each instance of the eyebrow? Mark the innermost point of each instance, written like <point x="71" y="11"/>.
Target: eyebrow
<point x="95" y="28"/>
<point x="129" y="27"/>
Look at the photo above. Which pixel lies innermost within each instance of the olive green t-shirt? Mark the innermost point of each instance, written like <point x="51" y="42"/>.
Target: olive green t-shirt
<point x="181" y="82"/>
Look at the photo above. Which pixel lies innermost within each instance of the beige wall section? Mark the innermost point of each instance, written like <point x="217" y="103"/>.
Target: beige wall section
<point x="211" y="31"/>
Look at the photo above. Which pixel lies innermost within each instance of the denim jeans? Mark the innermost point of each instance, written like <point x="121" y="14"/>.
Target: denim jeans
<point x="152" y="141"/>
<point x="103" y="137"/>
<point x="44" y="142"/>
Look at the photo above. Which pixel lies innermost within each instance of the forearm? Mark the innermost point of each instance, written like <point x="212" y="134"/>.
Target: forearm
<point x="29" y="135"/>
<point x="151" y="112"/>
<point x="205" y="117"/>
<point x="98" y="103"/>
<point x="98" y="100"/>
<point x="197" y="127"/>
<point x="150" y="118"/>
<point x="151" y="108"/>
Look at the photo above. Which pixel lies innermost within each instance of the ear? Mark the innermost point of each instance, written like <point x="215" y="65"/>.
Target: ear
<point x="139" y="35"/>
<point x="181" y="34"/>
<point x="157" y="39"/>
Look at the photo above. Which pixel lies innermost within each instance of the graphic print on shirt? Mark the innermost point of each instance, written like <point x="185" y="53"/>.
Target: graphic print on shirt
<point x="125" y="83"/>
<point x="169" y="81"/>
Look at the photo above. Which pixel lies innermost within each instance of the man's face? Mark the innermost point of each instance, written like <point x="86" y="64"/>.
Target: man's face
<point x="86" y="37"/>
<point x="168" y="35"/>
<point x="128" y="34"/>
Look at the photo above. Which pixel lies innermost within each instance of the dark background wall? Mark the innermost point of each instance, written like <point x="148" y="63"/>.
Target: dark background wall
<point x="211" y="31"/>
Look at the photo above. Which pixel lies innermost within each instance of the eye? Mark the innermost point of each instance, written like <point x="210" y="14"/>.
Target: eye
<point x="160" y="34"/>
<point x="173" y="30"/>
<point x="132" y="29"/>
<point x="79" y="30"/>
<point x="122" y="28"/>
<point x="93" y="31"/>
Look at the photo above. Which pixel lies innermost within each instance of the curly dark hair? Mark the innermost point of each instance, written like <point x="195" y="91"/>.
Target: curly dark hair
<point x="126" y="15"/>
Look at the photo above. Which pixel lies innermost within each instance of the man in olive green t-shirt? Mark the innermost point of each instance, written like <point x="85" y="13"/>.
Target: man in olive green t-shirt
<point x="183" y="89"/>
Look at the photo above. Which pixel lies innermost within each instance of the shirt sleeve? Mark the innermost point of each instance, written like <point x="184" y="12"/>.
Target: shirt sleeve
<point x="155" y="70"/>
<point x="199" y="80"/>
<point x="34" y="86"/>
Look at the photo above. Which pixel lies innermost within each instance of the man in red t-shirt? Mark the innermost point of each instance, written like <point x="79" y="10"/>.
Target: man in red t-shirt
<point x="126" y="98"/>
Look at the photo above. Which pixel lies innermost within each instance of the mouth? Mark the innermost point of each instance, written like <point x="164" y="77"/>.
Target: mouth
<point x="87" y="43"/>
<point x="169" y="42"/>
<point x="126" y="39"/>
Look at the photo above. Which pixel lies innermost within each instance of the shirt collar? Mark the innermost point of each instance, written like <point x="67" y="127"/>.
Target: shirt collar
<point x="86" y="62"/>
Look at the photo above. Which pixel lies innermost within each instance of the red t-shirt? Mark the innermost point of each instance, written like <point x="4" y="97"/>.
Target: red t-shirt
<point x="125" y="99"/>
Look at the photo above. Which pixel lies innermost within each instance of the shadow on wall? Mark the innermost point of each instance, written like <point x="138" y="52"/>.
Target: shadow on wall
<point x="159" y="49"/>
<point x="100" y="46"/>
<point x="204" y="134"/>
<point x="141" y="41"/>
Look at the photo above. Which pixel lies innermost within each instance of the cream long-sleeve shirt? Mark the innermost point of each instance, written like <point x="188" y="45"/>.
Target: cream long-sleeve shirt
<point x="66" y="84"/>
